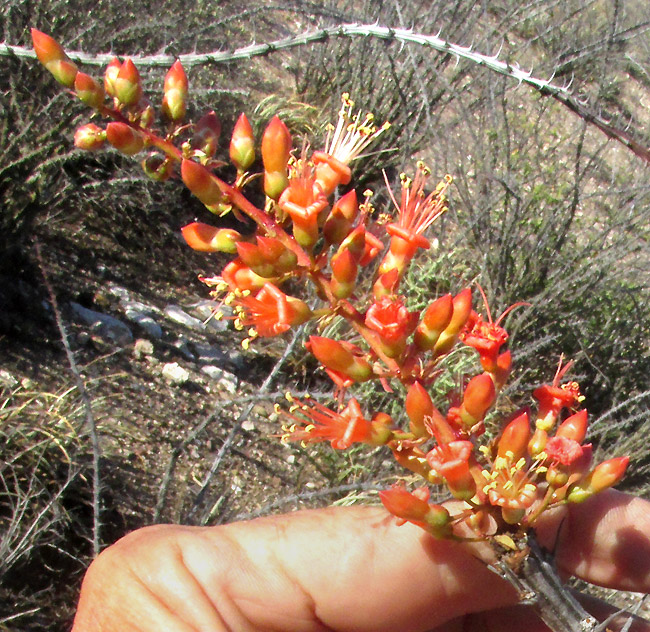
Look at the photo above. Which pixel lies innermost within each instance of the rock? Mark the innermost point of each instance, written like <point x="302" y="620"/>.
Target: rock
<point x="145" y="321"/>
<point x="106" y="327"/>
<point x="227" y="381"/>
<point x="142" y="348"/>
<point x="175" y="373"/>
<point x="177" y="315"/>
<point x="206" y="310"/>
<point x="208" y="354"/>
<point x="183" y="345"/>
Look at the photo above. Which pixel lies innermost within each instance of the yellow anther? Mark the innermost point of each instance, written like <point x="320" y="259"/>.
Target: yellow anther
<point x="529" y="487"/>
<point x="487" y="475"/>
<point x="288" y="396"/>
<point x="277" y="409"/>
<point x="245" y="344"/>
<point x="521" y="463"/>
<point x="489" y="486"/>
<point x="484" y="450"/>
<point x="508" y="485"/>
<point x="500" y="463"/>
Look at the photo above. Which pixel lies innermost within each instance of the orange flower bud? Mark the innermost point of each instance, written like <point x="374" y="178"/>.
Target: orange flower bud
<point x="53" y="57"/>
<point x="127" y="83"/>
<point x="89" y="137"/>
<point x="88" y="90"/>
<point x="514" y="438"/>
<point x="206" y="238"/>
<point x="242" y="144"/>
<point x="608" y="473"/>
<point x="413" y="507"/>
<point x="174" y="92"/>
<point x="200" y="182"/>
<point x="418" y="407"/>
<point x="342" y="357"/>
<point x="240" y="277"/>
<point x="344" y="273"/>
<point x="110" y="75"/>
<point x="436" y="318"/>
<point x="339" y="222"/>
<point x="206" y="134"/>
<point x="503" y="368"/>
<point x="538" y="442"/>
<point x="479" y="396"/>
<point x="276" y="148"/>
<point x="124" y="138"/>
<point x="462" y="303"/>
<point x="604" y="476"/>
<point x="574" y="427"/>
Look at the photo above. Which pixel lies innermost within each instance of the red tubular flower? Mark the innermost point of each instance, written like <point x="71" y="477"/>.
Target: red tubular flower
<point x="553" y="398"/>
<point x="393" y="322"/>
<point x="341" y="429"/>
<point x="341" y="359"/>
<point x="414" y="508"/>
<point x="271" y="312"/>
<point x="127" y="84"/>
<point x="206" y="238"/>
<point x="276" y="145"/>
<point x="124" y="138"/>
<point x="175" y="89"/>
<point x="303" y="203"/>
<point x="53" y="57"/>
<point x="565" y="457"/>
<point x="242" y="144"/>
<point x="451" y="461"/>
<point x="416" y="213"/>
<point x="351" y="135"/>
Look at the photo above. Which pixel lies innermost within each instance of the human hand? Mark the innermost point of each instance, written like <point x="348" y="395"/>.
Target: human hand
<point x="344" y="569"/>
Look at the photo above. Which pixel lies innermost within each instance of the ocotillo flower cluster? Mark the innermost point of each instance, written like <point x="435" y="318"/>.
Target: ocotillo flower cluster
<point x="315" y="231"/>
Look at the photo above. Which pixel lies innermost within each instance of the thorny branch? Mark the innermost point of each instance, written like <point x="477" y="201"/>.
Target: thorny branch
<point x="492" y="62"/>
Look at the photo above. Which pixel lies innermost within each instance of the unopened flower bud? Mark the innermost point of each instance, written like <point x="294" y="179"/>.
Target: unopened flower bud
<point x="462" y="304"/>
<point x="175" y="92"/>
<point x="242" y="144"/>
<point x="276" y="147"/>
<point x="436" y="318"/>
<point x="124" y="138"/>
<point x="88" y="90"/>
<point x="110" y="75"/>
<point x="200" y="182"/>
<point x="53" y="57"/>
<point x="341" y="357"/>
<point x="514" y="438"/>
<point x="339" y="221"/>
<point x="344" y="273"/>
<point x="89" y="137"/>
<point x="418" y="407"/>
<point x="479" y="396"/>
<point x="604" y="476"/>
<point x="206" y="134"/>
<point x="206" y="238"/>
<point x="574" y="427"/>
<point x="127" y="84"/>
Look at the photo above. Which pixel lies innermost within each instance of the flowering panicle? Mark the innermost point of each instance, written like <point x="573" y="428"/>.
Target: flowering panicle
<point x="303" y="235"/>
